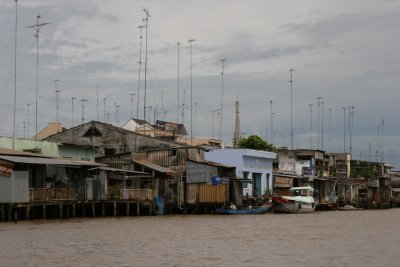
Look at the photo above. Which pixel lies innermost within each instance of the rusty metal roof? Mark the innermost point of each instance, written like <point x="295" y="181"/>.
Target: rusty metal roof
<point x="38" y="160"/>
<point x="153" y="166"/>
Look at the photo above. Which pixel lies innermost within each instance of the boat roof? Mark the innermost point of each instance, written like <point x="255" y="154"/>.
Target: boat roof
<point x="302" y="188"/>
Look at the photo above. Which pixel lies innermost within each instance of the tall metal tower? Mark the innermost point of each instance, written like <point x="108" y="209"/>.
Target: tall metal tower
<point x="291" y="107"/>
<point x="177" y="109"/>
<point x="72" y="111"/>
<point x="311" y="105"/>
<point x="319" y="103"/>
<point x="140" y="67"/>
<point x="191" y="92"/>
<point x="57" y="94"/>
<point x="145" y="64"/>
<point x="37" y="28"/>
<point x="222" y="95"/>
<point x="237" y="134"/>
<point x="83" y="109"/>
<point x="15" y="73"/>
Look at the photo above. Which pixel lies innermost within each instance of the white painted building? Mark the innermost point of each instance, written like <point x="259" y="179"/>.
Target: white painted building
<point x="254" y="165"/>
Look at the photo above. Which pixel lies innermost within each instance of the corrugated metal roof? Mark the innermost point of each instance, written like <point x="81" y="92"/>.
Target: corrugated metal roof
<point x="37" y="160"/>
<point x="153" y="166"/>
<point x="7" y="151"/>
<point x="117" y="170"/>
<point x="211" y="163"/>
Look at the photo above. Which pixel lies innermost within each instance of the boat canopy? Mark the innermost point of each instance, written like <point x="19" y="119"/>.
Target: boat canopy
<point x="309" y="188"/>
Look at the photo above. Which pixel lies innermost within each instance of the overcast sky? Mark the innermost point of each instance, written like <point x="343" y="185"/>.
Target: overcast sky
<point x="346" y="51"/>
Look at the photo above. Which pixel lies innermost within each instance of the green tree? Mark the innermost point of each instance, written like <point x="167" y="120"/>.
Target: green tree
<point x="257" y="143"/>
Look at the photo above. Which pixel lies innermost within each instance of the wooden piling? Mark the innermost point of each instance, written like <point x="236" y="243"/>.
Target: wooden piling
<point x="103" y="210"/>
<point x="44" y="212"/>
<point x="3" y="212"/>
<point x="138" y="209"/>
<point x="60" y="213"/>
<point x="127" y="208"/>
<point x="93" y="210"/>
<point x="115" y="208"/>
<point x="73" y="210"/>
<point x="28" y="208"/>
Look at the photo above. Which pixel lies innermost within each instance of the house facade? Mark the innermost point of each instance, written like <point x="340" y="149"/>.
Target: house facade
<point x="252" y="165"/>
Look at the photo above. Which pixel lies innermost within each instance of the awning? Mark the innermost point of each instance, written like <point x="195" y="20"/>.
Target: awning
<point x="37" y="160"/>
<point x="104" y="168"/>
<point x="396" y="190"/>
<point x="153" y="166"/>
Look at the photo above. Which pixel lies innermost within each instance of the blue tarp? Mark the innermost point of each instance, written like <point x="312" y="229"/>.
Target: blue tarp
<point x="215" y="180"/>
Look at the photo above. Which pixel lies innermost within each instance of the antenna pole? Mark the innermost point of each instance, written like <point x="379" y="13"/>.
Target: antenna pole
<point x="177" y="109"/>
<point x="37" y="28"/>
<point x="145" y="64"/>
<point x="83" y="109"/>
<point x="291" y="107"/>
<point x="57" y="92"/>
<point x="72" y="111"/>
<point x="140" y="67"/>
<point x="15" y="72"/>
<point x="222" y="95"/>
<point x="191" y="92"/>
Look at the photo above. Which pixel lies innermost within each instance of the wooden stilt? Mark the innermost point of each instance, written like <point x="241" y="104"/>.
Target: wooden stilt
<point x="115" y="208"/>
<point x="28" y="209"/>
<point x="44" y="212"/>
<point x="138" y="209"/>
<point x="3" y="212"/>
<point x="73" y="210"/>
<point x="93" y="209"/>
<point x="127" y="208"/>
<point x="60" y="213"/>
<point x="103" y="210"/>
<point x="83" y="209"/>
<point x="9" y="213"/>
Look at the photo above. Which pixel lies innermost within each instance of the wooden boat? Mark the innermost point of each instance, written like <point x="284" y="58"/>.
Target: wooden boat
<point x="300" y="201"/>
<point x="255" y="210"/>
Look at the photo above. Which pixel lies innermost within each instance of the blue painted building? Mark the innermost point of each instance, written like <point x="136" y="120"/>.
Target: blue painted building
<point x="254" y="165"/>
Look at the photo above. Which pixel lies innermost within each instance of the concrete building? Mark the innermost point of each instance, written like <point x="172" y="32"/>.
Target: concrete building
<point x="254" y="165"/>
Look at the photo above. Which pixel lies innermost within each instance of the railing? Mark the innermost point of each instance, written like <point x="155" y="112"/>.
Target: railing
<point x="51" y="194"/>
<point x="137" y="194"/>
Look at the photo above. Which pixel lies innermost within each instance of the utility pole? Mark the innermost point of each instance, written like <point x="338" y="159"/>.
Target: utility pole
<point x="27" y="108"/>
<point x="104" y="109"/>
<point x="272" y="130"/>
<point x="350" y="129"/>
<point x="319" y="103"/>
<point x="145" y="64"/>
<point x="310" y="105"/>
<point x="15" y="73"/>
<point x="322" y="124"/>
<point x="191" y="92"/>
<point x="132" y="104"/>
<point x="344" y="130"/>
<point x="195" y="119"/>
<point x="222" y="95"/>
<point x="97" y="102"/>
<point x="83" y="109"/>
<point x="177" y="109"/>
<point x="37" y="28"/>
<point x="212" y="112"/>
<point x="57" y="92"/>
<point x="140" y="67"/>
<point x="72" y="111"/>
<point x="291" y="107"/>
<point x="329" y="128"/>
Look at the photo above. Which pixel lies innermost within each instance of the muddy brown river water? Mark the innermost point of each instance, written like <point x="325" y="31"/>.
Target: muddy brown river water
<point x="335" y="238"/>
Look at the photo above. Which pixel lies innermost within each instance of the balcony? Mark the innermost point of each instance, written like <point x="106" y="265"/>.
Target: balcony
<point x="51" y="194"/>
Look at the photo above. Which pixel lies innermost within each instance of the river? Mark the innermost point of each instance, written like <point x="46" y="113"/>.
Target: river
<point x="334" y="238"/>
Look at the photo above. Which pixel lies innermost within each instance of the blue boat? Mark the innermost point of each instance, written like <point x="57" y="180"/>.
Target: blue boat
<point x="256" y="210"/>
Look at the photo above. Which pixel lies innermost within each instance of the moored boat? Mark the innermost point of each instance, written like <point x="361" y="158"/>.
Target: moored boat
<point x="300" y="201"/>
<point x="256" y="210"/>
